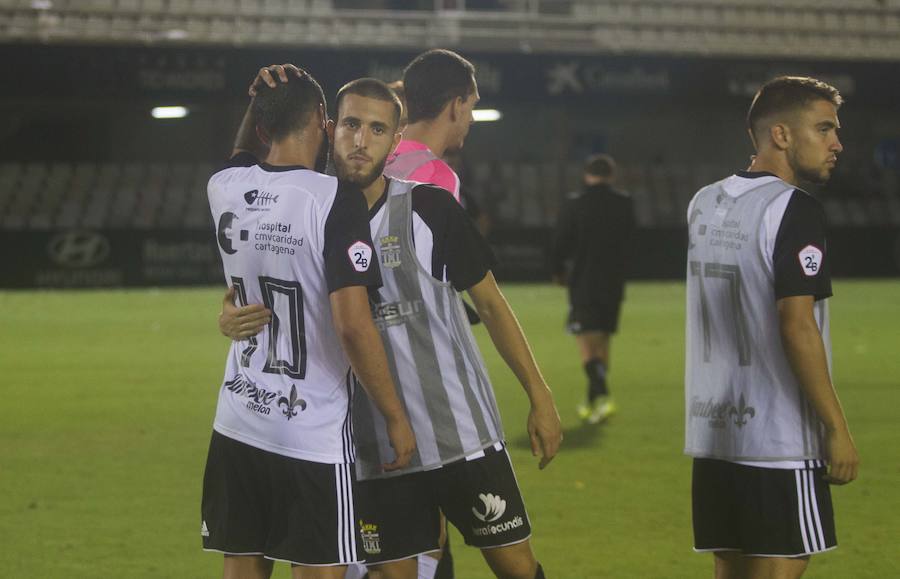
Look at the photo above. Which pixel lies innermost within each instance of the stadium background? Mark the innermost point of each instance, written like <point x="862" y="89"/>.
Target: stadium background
<point x="108" y="394"/>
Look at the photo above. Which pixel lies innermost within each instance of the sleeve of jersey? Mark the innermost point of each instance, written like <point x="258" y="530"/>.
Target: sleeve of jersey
<point x="437" y="173"/>
<point x="469" y="256"/>
<point x="800" y="260"/>
<point x="349" y="255"/>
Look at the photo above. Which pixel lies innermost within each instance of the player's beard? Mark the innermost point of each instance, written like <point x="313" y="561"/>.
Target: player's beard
<point x="807" y="174"/>
<point x="362" y="180"/>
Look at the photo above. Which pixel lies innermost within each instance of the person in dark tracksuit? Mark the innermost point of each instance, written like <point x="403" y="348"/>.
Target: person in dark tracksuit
<point x="590" y="256"/>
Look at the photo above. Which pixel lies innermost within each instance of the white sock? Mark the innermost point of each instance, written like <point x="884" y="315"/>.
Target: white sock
<point x="355" y="571"/>
<point x="427" y="567"/>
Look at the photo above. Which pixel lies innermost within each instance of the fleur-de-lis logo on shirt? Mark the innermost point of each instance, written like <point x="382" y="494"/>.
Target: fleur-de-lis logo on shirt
<point x="740" y="411"/>
<point x="291" y="404"/>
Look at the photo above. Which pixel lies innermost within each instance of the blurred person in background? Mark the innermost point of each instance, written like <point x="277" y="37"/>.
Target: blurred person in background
<point x="589" y="255"/>
<point x="439" y="93"/>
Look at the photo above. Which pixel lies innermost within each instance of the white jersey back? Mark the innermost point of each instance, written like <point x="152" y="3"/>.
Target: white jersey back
<point x="743" y="402"/>
<point x="288" y="389"/>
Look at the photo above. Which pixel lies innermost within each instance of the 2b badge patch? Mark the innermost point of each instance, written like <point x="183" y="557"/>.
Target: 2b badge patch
<point x="360" y="256"/>
<point x="810" y="260"/>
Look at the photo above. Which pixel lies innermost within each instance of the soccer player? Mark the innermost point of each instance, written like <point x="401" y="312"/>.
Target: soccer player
<point x="440" y="92"/>
<point x="764" y="423"/>
<point x="590" y="255"/>
<point x="430" y="250"/>
<point x="278" y="480"/>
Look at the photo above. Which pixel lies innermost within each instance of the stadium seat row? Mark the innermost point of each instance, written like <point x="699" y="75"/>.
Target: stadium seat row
<point x="40" y="196"/>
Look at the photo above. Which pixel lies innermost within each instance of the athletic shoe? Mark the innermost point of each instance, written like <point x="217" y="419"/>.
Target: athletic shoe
<point x="597" y="411"/>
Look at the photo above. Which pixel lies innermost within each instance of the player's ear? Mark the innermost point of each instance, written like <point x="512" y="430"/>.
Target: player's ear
<point x="263" y="136"/>
<point x="398" y="136"/>
<point x="323" y="117"/>
<point x="329" y="129"/>
<point x="456" y="108"/>
<point x="781" y="135"/>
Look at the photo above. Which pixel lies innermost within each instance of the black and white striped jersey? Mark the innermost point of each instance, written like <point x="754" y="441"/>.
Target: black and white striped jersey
<point x="753" y="239"/>
<point x="428" y="249"/>
<point x="288" y="237"/>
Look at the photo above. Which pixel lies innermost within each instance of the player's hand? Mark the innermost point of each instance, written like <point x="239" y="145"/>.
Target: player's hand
<point x="244" y="322"/>
<point x="268" y="74"/>
<point x="403" y="441"/>
<point x="843" y="459"/>
<point x="544" y="429"/>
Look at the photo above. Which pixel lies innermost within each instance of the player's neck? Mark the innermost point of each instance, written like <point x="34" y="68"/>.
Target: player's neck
<point x="374" y="191"/>
<point x="775" y="164"/>
<point x="292" y="151"/>
<point x="429" y="133"/>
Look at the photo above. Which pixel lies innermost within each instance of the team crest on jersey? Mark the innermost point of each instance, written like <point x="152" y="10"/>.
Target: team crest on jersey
<point x="810" y="260"/>
<point x="259" y="200"/>
<point x="371" y="540"/>
<point x="360" y="254"/>
<point x="390" y="251"/>
<point x="290" y="404"/>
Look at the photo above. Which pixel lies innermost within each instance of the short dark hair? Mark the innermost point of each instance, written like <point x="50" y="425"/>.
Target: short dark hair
<point x="786" y="94"/>
<point x="374" y="89"/>
<point x="600" y="166"/>
<point x="433" y="79"/>
<point x="287" y="108"/>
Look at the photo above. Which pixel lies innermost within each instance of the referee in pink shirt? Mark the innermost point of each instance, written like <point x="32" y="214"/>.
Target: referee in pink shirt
<point x="440" y="94"/>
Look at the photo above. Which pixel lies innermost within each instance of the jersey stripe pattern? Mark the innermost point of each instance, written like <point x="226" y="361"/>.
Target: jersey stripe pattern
<point x="286" y="390"/>
<point x="431" y="352"/>
<point x="743" y="402"/>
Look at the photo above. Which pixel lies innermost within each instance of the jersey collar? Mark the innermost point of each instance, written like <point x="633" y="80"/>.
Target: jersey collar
<point x="755" y="174"/>
<point x="281" y="168"/>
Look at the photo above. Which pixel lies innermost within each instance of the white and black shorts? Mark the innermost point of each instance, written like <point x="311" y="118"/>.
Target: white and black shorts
<point x="400" y="517"/>
<point x="765" y="512"/>
<point x="286" y="509"/>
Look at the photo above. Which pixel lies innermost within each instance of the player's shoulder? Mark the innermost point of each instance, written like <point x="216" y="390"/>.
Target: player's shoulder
<point x="804" y="200"/>
<point x="431" y="198"/>
<point x="341" y="192"/>
<point x="438" y="172"/>
<point x="239" y="163"/>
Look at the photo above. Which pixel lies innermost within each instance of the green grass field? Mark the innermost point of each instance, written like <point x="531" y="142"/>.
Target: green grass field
<point x="108" y="399"/>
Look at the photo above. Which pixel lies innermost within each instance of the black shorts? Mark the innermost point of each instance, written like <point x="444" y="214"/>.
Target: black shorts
<point x="400" y="517"/>
<point x="771" y="512"/>
<point x="260" y="503"/>
<point x="602" y="317"/>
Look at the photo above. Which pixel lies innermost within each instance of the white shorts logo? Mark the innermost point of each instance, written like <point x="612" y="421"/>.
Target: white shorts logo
<point x="810" y="260"/>
<point x="494" y="507"/>
<point x="360" y="256"/>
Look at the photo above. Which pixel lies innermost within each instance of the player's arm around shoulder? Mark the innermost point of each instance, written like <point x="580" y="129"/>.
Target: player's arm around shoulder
<point x="357" y="333"/>
<point x="350" y="269"/>
<point x="806" y="353"/>
<point x="544" y="428"/>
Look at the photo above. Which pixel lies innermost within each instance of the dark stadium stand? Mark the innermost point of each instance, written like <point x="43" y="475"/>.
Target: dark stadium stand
<point x="40" y="196"/>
